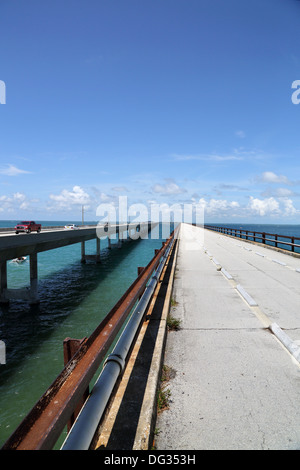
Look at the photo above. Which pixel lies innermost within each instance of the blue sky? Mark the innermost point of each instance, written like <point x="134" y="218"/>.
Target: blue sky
<point x="165" y="101"/>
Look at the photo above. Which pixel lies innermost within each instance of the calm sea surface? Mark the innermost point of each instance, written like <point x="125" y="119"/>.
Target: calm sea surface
<point x="74" y="298"/>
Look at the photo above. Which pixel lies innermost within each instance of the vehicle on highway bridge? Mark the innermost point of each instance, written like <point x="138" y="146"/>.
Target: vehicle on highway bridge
<point x="28" y="227"/>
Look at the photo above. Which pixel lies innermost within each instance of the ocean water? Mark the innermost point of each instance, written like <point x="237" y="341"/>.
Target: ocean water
<point x="74" y="298"/>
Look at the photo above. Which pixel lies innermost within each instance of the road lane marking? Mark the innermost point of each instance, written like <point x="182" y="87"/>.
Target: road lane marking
<point x="279" y="262"/>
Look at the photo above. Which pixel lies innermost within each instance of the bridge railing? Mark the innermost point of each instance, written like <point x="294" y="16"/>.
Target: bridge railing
<point x="44" y="424"/>
<point x="286" y="242"/>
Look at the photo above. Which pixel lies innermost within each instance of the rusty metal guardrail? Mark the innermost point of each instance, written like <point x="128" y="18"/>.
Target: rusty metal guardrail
<point x="85" y="426"/>
<point x="43" y="425"/>
<point x="262" y="237"/>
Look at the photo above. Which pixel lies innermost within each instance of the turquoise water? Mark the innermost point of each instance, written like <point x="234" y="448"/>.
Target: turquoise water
<point x="74" y="298"/>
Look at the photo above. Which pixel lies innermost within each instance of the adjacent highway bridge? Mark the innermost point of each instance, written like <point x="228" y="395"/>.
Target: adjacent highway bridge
<point x="14" y="246"/>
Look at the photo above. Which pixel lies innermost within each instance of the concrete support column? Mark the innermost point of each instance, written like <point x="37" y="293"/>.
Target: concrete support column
<point x="33" y="279"/>
<point x="3" y="282"/>
<point x="83" y="252"/>
<point x="123" y="236"/>
<point x="98" y="260"/>
<point x="119" y="240"/>
<point x="96" y="257"/>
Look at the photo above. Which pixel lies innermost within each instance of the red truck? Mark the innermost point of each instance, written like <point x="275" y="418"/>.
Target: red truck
<point x="28" y="226"/>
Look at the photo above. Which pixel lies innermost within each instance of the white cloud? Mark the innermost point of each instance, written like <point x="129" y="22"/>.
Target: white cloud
<point x="66" y="199"/>
<point x="18" y="201"/>
<point x="218" y="206"/>
<point x="270" y="177"/>
<point x="283" y="192"/>
<point x="120" y="189"/>
<point x="103" y="197"/>
<point x="168" y="189"/>
<point x="268" y="207"/>
<point x="240" y="134"/>
<point x="12" y="170"/>
<point x="289" y="208"/>
<point x="278" y="192"/>
<point x="263" y="207"/>
<point x="212" y="158"/>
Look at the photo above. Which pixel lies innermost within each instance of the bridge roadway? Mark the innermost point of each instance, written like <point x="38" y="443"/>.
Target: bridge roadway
<point x="14" y="246"/>
<point x="235" y="360"/>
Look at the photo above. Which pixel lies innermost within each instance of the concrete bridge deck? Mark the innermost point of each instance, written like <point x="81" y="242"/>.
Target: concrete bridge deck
<point x="236" y="381"/>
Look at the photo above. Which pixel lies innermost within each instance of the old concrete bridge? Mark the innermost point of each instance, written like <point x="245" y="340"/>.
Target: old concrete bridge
<point x="14" y="246"/>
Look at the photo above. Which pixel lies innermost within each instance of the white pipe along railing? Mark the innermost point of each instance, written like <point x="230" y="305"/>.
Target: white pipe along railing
<point x="87" y="421"/>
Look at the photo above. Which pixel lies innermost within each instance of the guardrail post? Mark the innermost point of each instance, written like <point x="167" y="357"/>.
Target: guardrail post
<point x="70" y="347"/>
<point x="293" y="243"/>
<point x="140" y="269"/>
<point x="264" y="238"/>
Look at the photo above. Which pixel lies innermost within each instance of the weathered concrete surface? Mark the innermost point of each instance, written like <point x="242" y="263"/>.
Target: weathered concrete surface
<point x="236" y="386"/>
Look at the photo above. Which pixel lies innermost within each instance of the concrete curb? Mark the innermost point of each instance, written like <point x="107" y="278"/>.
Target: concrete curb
<point x="246" y="296"/>
<point x="144" y="434"/>
<point x="292" y="347"/>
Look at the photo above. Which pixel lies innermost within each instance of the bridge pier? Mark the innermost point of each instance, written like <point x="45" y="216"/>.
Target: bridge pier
<point x="3" y="282"/>
<point x="95" y="257"/>
<point x="34" y="299"/>
<point x="24" y="293"/>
